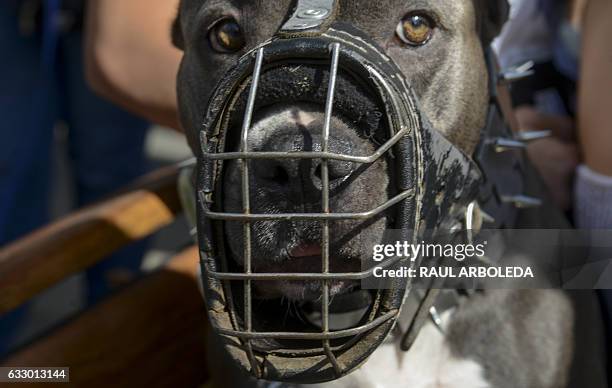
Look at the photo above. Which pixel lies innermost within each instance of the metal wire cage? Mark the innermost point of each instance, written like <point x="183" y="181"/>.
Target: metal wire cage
<point x="338" y="352"/>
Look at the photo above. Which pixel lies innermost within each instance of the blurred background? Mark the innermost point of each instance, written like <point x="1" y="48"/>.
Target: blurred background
<point x="64" y="147"/>
<point x="162" y="146"/>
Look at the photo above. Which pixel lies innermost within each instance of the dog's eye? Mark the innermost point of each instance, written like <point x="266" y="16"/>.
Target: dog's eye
<point x="415" y="29"/>
<point x="225" y="36"/>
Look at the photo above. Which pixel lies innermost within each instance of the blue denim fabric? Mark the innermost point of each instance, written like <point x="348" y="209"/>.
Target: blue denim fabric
<point x="41" y="82"/>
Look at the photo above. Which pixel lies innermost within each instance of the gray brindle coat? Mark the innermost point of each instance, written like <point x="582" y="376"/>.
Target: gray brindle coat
<point x="497" y="339"/>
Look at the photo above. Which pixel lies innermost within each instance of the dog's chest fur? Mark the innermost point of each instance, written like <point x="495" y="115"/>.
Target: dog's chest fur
<point x="428" y="364"/>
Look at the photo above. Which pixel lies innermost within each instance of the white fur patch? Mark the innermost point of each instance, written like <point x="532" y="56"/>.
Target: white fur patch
<point x="428" y="364"/>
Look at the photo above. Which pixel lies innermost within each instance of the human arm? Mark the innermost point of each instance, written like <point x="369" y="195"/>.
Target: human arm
<point x="593" y="187"/>
<point x="129" y="56"/>
<point x="595" y="93"/>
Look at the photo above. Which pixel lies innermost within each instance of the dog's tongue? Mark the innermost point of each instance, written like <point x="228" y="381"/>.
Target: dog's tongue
<point x="306" y="250"/>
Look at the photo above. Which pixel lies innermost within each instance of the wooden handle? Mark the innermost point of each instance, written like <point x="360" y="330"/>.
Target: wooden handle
<point x="152" y="333"/>
<point x="84" y="238"/>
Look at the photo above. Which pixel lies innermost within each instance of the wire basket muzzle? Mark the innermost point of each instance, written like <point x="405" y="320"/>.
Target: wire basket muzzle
<point x="295" y="351"/>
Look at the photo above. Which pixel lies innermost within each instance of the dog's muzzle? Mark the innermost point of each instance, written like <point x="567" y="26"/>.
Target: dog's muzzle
<point x="432" y="182"/>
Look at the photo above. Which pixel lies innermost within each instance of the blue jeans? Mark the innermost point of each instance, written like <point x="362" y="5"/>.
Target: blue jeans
<point x="105" y="143"/>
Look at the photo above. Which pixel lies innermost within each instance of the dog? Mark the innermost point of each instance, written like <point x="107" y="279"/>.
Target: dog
<point x="501" y="338"/>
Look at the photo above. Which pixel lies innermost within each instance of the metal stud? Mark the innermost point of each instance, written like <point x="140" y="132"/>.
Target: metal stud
<point x="528" y="136"/>
<point x="455" y="228"/>
<point x="522" y="201"/>
<point x="502" y="144"/>
<point x="519" y="141"/>
<point x="486" y="217"/>
<point x="517" y="73"/>
<point x="187" y="163"/>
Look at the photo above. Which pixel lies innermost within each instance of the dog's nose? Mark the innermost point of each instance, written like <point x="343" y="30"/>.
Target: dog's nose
<point x="302" y="177"/>
<point x="297" y="181"/>
<point x="337" y="172"/>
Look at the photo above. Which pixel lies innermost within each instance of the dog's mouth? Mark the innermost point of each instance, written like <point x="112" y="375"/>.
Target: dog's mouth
<point x="305" y="251"/>
<point x="305" y="258"/>
<point x="301" y="290"/>
<point x="288" y="116"/>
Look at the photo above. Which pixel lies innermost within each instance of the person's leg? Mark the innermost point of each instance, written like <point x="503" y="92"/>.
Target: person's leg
<point x="26" y="129"/>
<point x="107" y="149"/>
<point x="27" y="114"/>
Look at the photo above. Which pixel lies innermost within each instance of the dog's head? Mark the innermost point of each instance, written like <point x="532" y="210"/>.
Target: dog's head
<point x="438" y="46"/>
<point x="406" y="66"/>
<point x="437" y="43"/>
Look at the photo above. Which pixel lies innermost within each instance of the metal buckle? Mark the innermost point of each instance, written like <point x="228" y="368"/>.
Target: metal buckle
<point x="309" y="14"/>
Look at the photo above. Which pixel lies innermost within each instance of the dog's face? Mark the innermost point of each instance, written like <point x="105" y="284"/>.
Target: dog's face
<point x="438" y="46"/>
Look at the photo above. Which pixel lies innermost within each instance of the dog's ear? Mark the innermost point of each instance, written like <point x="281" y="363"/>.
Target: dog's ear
<point x="177" y="33"/>
<point x="494" y="14"/>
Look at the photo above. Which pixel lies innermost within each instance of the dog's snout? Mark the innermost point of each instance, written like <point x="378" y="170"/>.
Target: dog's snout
<point x="302" y="175"/>
<point x="289" y="116"/>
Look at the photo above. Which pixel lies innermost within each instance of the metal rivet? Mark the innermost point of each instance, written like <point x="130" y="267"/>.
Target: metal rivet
<point x="313" y="13"/>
